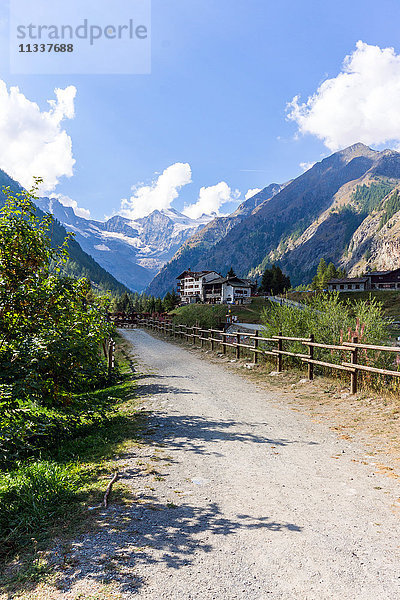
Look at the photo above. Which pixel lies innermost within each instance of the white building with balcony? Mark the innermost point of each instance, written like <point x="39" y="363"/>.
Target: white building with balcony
<point x="191" y="285"/>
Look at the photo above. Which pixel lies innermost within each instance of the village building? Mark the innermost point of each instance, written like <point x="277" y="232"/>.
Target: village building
<point x="191" y="285"/>
<point x="227" y="290"/>
<point x="348" y="284"/>
<point x="376" y="280"/>
<point x="211" y="288"/>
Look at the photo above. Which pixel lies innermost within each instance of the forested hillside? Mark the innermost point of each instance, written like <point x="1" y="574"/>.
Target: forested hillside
<point x="344" y="209"/>
<point x="79" y="264"/>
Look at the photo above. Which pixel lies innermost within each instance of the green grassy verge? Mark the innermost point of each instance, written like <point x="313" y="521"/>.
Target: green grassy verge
<point x="208" y="316"/>
<point x="48" y="496"/>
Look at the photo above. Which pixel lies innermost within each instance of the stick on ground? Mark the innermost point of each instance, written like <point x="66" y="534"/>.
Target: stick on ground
<point x="109" y="487"/>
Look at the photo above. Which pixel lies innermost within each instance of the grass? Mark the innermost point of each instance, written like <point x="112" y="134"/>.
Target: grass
<point x="47" y="498"/>
<point x="208" y="316"/>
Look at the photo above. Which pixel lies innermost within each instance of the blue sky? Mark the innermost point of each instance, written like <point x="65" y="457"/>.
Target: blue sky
<point x="222" y="75"/>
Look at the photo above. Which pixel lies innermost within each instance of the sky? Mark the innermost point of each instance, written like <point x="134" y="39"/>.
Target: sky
<point x="240" y="94"/>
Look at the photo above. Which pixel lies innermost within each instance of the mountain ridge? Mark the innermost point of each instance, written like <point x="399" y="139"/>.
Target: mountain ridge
<point x="312" y="216"/>
<point x="133" y="251"/>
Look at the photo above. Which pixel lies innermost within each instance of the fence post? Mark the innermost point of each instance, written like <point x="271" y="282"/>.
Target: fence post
<point x="256" y="347"/>
<point x="111" y="349"/>
<point x="223" y="342"/>
<point x="353" y="360"/>
<point x="279" y="357"/>
<point x="311" y="356"/>
<point x="238" y="347"/>
<point x="193" y="338"/>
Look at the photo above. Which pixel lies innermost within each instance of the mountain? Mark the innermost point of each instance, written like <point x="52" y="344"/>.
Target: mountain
<point x="80" y="264"/>
<point x="133" y="251"/>
<point x="337" y="210"/>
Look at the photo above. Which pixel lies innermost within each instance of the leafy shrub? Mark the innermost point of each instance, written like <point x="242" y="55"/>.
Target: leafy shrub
<point x="332" y="321"/>
<point x="51" y="331"/>
<point x="30" y="429"/>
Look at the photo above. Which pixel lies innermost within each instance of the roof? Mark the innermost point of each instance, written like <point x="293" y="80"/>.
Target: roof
<point x="349" y="280"/>
<point x="233" y="281"/>
<point x="374" y="273"/>
<point x="194" y="274"/>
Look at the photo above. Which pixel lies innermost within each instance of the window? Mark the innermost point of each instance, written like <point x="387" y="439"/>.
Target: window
<point x="334" y="286"/>
<point x="342" y="286"/>
<point x="357" y="286"/>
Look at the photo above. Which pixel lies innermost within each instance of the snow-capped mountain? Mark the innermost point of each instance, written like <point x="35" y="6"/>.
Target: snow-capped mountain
<point x="132" y="251"/>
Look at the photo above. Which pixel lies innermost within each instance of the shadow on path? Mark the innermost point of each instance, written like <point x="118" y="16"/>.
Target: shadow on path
<point x="153" y="533"/>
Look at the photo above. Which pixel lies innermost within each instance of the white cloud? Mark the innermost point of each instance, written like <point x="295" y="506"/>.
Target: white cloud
<point x="251" y="193"/>
<point x="67" y="201"/>
<point x="159" y="194"/>
<point x="33" y="142"/>
<point x="211" y="199"/>
<point x="305" y="166"/>
<point x="361" y="104"/>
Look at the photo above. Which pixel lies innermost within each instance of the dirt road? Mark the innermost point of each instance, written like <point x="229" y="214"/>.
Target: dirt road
<point x="235" y="496"/>
<point x="268" y="504"/>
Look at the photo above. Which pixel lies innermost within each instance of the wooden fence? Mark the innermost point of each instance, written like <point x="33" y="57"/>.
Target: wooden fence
<point x="258" y="346"/>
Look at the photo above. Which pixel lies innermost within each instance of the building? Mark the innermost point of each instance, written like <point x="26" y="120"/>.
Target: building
<point x="376" y="280"/>
<point x="226" y="290"/>
<point x="348" y="284"/>
<point x="210" y="287"/>
<point x="191" y="285"/>
<point x="384" y="280"/>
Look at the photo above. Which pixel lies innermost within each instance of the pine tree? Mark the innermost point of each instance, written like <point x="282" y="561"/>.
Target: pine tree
<point x="274" y="281"/>
<point x="325" y="273"/>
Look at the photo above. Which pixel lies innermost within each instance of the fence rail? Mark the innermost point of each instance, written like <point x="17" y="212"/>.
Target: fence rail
<point x="257" y="346"/>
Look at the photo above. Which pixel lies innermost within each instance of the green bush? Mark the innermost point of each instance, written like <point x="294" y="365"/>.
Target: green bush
<point x="51" y="332"/>
<point x="332" y="321"/>
<point x="29" y="429"/>
<point x="51" y="327"/>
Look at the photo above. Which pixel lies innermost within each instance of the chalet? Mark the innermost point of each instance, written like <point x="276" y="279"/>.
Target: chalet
<point x="212" y="288"/>
<point x="348" y="284"/>
<point x="376" y="280"/>
<point x="191" y="285"/>
<point x="384" y="280"/>
<point x="225" y="290"/>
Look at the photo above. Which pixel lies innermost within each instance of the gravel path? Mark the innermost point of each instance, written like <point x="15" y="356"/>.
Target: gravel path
<point x="274" y="506"/>
<point x="244" y="499"/>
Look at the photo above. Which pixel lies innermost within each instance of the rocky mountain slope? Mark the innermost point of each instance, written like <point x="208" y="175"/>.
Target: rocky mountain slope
<point x="133" y="251"/>
<point x="80" y="264"/>
<point x="337" y="210"/>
